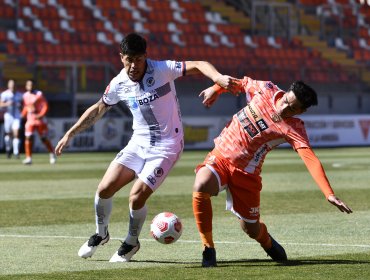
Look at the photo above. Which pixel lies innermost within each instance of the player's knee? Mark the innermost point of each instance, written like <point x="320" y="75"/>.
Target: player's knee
<point x="252" y="230"/>
<point x="104" y="192"/>
<point x="136" y="200"/>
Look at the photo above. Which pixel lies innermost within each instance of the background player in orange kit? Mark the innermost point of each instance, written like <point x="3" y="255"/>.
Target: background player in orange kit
<point x="235" y="163"/>
<point x="35" y="108"/>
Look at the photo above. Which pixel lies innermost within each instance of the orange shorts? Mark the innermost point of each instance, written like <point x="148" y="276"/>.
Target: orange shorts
<point x="40" y="127"/>
<point x="243" y="189"/>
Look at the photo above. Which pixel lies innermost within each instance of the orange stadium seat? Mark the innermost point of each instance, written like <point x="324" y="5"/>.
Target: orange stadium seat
<point x="235" y="59"/>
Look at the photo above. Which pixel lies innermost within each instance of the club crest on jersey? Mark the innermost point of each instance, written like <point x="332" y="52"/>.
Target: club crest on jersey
<point x="158" y="172"/>
<point x="150" y="82"/>
<point x="178" y="64"/>
<point x="269" y="85"/>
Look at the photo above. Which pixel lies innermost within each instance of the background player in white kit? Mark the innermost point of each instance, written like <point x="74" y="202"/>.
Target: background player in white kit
<point x="147" y="87"/>
<point x="11" y="100"/>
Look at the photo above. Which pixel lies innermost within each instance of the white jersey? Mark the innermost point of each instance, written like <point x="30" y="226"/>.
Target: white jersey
<point x="152" y="102"/>
<point x="14" y="109"/>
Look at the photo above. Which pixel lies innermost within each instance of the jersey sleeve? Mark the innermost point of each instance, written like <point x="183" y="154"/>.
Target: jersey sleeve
<point x="296" y="135"/>
<point x="110" y="96"/>
<point x="316" y="170"/>
<point x="173" y="69"/>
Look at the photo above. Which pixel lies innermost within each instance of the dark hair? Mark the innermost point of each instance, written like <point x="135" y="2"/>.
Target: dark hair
<point x="304" y="93"/>
<point x="133" y="44"/>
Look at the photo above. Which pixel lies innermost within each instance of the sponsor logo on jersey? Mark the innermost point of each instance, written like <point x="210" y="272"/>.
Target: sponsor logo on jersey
<point x="151" y="179"/>
<point x="148" y="99"/>
<point x="260" y="153"/>
<point x="150" y="82"/>
<point x="247" y="124"/>
<point x="262" y="125"/>
<point x="132" y="103"/>
<point x="158" y="172"/>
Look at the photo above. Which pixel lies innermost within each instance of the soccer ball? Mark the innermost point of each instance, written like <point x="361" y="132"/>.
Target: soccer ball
<point x="166" y="228"/>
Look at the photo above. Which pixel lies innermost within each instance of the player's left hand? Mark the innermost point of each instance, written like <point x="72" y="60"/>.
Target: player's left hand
<point x="339" y="204"/>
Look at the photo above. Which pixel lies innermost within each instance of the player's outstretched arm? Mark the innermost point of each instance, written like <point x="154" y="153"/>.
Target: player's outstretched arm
<point x="339" y="204"/>
<point x="88" y="118"/>
<point x="208" y="70"/>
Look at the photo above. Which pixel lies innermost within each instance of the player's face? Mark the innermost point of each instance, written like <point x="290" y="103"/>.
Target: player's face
<point x="289" y="106"/>
<point x="135" y="66"/>
<point x="29" y="85"/>
<point x="11" y="85"/>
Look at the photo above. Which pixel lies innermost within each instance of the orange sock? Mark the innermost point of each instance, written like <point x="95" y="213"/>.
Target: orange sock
<point x="202" y="209"/>
<point x="264" y="237"/>
<point x="28" y="147"/>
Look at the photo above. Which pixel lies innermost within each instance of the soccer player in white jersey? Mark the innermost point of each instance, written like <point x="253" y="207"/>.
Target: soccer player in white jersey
<point x="147" y="87"/>
<point x="11" y="100"/>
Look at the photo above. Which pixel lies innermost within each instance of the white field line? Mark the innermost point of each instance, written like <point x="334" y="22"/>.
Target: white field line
<point x="184" y="241"/>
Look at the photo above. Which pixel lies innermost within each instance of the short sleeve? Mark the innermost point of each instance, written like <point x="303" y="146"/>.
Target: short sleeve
<point x="296" y="136"/>
<point x="174" y="69"/>
<point x="110" y="96"/>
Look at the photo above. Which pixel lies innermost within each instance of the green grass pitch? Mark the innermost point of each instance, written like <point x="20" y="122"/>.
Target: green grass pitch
<point x="46" y="213"/>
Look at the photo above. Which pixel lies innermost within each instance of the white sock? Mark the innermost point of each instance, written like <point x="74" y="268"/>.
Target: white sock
<point x="103" y="209"/>
<point x="16" y="146"/>
<point x="137" y="219"/>
<point x="7" y="143"/>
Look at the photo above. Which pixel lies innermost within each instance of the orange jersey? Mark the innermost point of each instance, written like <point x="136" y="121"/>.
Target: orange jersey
<point x="35" y="106"/>
<point x="257" y="129"/>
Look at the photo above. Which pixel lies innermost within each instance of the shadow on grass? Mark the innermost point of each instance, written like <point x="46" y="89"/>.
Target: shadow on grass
<point x="258" y="262"/>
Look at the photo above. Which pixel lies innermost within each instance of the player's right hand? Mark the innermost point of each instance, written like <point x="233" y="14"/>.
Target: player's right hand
<point x="209" y="96"/>
<point x="61" y="144"/>
<point x="339" y="204"/>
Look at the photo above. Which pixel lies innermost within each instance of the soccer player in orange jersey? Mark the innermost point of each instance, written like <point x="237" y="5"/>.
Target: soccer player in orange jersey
<point x="235" y="163"/>
<point x="35" y="108"/>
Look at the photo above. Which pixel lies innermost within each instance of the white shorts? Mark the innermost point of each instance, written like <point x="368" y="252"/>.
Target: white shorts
<point x="151" y="165"/>
<point x="11" y="123"/>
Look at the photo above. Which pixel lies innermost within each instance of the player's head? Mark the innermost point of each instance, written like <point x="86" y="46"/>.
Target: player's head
<point x="305" y="94"/>
<point x="29" y="85"/>
<point x="296" y="100"/>
<point x="133" y="56"/>
<point x="11" y="84"/>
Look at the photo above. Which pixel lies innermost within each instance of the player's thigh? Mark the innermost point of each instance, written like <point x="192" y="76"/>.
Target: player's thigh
<point x="244" y="196"/>
<point x="115" y="177"/>
<point x="211" y="175"/>
<point x="42" y="129"/>
<point x="8" y="121"/>
<point x="158" y="163"/>
<point x="29" y="129"/>
<point x="15" y="127"/>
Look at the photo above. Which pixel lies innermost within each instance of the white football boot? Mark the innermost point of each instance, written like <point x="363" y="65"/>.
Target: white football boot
<point x="53" y="158"/>
<point x="27" y="161"/>
<point x="125" y="252"/>
<point x="89" y="247"/>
